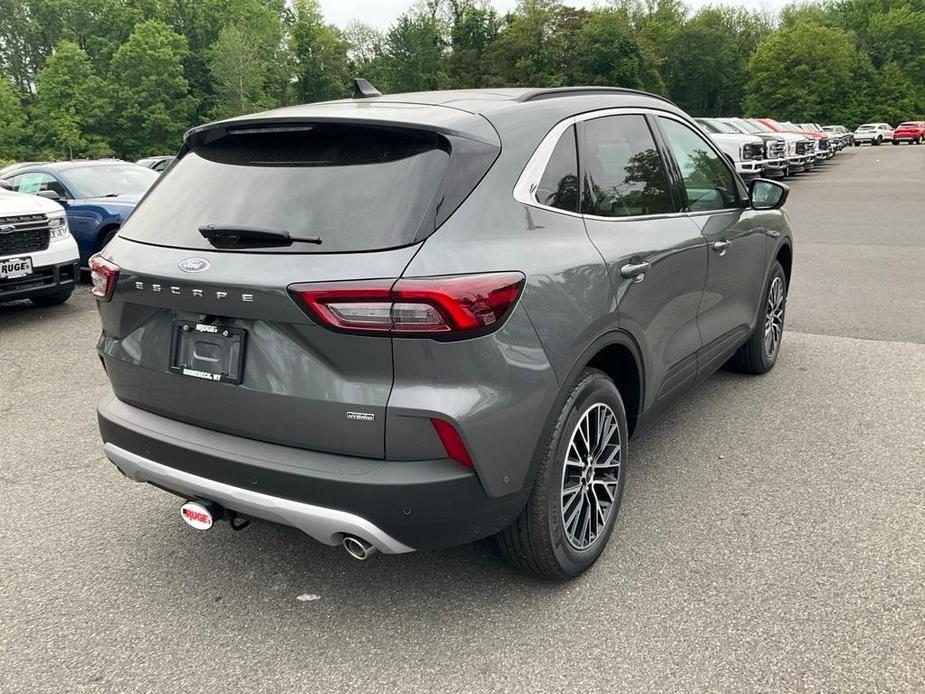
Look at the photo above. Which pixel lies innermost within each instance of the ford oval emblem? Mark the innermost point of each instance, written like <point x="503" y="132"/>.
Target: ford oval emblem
<point x="194" y="265"/>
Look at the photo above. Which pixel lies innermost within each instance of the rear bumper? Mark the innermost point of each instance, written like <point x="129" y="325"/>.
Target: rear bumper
<point x="396" y="506"/>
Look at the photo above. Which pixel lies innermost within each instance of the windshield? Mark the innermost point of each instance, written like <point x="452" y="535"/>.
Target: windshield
<point x="750" y="127"/>
<point x="908" y="125"/>
<point x="719" y="126"/>
<point x="355" y="188"/>
<point x="101" y="180"/>
<point x="867" y="127"/>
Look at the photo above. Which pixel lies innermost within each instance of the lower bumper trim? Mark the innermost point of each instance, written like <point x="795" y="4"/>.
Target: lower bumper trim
<point x="325" y="525"/>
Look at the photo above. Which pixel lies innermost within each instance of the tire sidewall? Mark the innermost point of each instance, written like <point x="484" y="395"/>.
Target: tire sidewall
<point x="597" y="388"/>
<point x="776" y="271"/>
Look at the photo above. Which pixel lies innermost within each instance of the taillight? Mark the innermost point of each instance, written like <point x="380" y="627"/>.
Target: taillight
<point x="103" y="274"/>
<point x="438" y="307"/>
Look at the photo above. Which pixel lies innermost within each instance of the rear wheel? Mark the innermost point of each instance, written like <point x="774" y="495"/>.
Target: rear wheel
<point x="878" y="141"/>
<point x="52" y="299"/>
<point x="576" y="495"/>
<point x="759" y="354"/>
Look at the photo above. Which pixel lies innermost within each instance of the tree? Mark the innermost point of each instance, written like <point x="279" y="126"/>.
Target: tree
<point x="608" y="52"/>
<point x="70" y="106"/>
<point x="413" y="54"/>
<point x="474" y="25"/>
<point x="711" y="50"/>
<point x="536" y="47"/>
<point x="13" y="120"/>
<point x="319" y="52"/>
<point x="239" y="72"/>
<point x="153" y="104"/>
<point x="802" y="73"/>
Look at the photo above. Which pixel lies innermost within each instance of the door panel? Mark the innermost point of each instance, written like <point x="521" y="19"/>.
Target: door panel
<point x="735" y="279"/>
<point x="631" y="217"/>
<point x="715" y="202"/>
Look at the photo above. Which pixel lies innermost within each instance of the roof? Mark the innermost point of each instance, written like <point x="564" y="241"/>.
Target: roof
<point x="457" y="111"/>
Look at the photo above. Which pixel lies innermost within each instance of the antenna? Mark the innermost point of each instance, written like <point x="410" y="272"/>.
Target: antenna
<point x="362" y="89"/>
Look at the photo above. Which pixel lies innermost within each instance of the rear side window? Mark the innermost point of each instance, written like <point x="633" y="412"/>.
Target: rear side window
<point x="36" y="182"/>
<point x="356" y="188"/>
<point x="709" y="183"/>
<point x="559" y="185"/>
<point x="623" y="171"/>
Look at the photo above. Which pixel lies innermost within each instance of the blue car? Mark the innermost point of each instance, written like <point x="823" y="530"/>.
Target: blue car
<point x="98" y="196"/>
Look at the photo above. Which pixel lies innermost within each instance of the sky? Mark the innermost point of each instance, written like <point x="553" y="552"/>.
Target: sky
<point x="381" y="13"/>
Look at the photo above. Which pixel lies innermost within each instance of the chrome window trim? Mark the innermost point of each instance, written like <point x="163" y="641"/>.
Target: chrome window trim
<point x="532" y="173"/>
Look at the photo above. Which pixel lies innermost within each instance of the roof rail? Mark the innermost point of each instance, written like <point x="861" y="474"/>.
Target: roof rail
<point x="553" y="92"/>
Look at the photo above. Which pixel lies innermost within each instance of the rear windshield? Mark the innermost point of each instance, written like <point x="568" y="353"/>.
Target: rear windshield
<point x="908" y="125"/>
<point x="356" y="188"/>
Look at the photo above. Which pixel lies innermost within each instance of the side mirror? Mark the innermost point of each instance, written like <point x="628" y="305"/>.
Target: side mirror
<point x="5" y="185"/>
<point x="764" y="194"/>
<point x="50" y="194"/>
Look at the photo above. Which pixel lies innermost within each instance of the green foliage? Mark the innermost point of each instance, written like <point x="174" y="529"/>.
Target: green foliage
<point x="150" y="95"/>
<point x="12" y="121"/>
<point x="319" y="52"/>
<point x="93" y="77"/>
<point x="70" y="106"/>
<point x="239" y="72"/>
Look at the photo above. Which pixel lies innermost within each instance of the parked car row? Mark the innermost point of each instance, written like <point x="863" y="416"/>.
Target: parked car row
<point x="912" y="131"/>
<point x="55" y="215"/>
<point x="772" y="149"/>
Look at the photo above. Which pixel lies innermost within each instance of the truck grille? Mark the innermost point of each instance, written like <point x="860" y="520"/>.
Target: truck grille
<point x="824" y="143"/>
<point x="29" y="233"/>
<point x="776" y="149"/>
<point x="804" y="147"/>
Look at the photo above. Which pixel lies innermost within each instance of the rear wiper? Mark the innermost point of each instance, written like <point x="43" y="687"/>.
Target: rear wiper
<point x="230" y="236"/>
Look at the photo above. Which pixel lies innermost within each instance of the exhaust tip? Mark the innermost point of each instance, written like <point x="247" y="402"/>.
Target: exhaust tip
<point x="358" y="548"/>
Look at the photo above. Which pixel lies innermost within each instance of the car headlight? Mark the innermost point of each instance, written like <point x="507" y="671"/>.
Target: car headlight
<point x="57" y="225"/>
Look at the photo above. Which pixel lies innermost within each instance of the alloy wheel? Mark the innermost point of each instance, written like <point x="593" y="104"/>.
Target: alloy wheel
<point x="590" y="476"/>
<point x="774" y="317"/>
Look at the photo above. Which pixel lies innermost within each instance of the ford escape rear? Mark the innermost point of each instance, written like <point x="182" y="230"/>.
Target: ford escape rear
<point x="408" y="322"/>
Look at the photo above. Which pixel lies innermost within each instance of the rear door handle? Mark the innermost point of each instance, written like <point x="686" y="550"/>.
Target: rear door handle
<point x="635" y="271"/>
<point x="721" y="246"/>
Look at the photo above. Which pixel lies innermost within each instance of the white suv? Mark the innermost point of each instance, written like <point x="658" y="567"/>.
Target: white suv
<point x="38" y="255"/>
<point x="874" y="133"/>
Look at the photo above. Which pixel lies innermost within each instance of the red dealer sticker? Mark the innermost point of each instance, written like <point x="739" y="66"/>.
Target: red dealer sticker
<point x="196" y="515"/>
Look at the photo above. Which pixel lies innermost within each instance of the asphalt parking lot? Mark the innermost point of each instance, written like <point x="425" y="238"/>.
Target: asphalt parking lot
<point x="772" y="536"/>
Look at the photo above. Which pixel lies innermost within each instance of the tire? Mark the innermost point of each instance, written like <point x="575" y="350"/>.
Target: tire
<point x="894" y="142"/>
<point x="759" y="354"/>
<point x="52" y="299"/>
<point x="555" y="543"/>
<point x="878" y="141"/>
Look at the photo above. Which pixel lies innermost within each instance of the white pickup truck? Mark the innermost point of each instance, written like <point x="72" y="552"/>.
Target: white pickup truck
<point x="38" y="255"/>
<point x="746" y="151"/>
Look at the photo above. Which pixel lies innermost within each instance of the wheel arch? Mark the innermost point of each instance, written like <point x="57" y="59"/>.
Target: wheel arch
<point x="785" y="257"/>
<point x="110" y="225"/>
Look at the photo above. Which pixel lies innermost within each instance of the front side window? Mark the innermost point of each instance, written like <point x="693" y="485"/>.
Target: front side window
<point x="709" y="183"/>
<point x="32" y="183"/>
<point x="559" y="185"/>
<point x="624" y="174"/>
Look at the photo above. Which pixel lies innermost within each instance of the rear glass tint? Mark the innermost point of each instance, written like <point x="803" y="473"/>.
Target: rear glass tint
<point x="356" y="188"/>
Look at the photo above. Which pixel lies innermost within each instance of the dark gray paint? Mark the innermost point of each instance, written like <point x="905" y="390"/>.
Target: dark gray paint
<point x="691" y="311"/>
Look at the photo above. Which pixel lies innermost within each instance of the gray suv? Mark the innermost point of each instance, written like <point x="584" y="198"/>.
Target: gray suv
<point x="412" y="321"/>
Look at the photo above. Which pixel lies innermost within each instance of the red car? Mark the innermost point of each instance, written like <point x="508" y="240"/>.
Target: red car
<point x="912" y="131"/>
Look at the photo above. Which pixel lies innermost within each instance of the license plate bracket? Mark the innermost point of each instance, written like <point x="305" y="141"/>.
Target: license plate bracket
<point x="14" y="268"/>
<point x="208" y="351"/>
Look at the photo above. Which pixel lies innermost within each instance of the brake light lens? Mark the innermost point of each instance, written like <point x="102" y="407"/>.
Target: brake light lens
<point x="103" y="275"/>
<point x="438" y="307"/>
